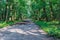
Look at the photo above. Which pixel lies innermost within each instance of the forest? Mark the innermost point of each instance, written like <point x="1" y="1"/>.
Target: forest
<point x="45" y="13"/>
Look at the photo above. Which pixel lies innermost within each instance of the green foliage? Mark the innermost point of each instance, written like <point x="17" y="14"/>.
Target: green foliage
<point x="4" y="24"/>
<point x="38" y="9"/>
<point x="51" y="28"/>
<point x="41" y="10"/>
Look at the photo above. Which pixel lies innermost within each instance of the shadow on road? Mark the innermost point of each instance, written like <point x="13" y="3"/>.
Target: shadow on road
<point x="23" y="32"/>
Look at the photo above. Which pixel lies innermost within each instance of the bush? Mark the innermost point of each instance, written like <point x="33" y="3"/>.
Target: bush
<point x="52" y="30"/>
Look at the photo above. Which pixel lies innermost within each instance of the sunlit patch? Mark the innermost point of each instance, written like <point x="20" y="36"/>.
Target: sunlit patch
<point x="18" y="31"/>
<point x="42" y="32"/>
<point x="33" y="30"/>
<point x="32" y="33"/>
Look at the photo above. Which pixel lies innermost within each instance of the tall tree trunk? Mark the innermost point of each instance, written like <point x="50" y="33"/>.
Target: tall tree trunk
<point x="52" y="11"/>
<point x="5" y="11"/>
<point x="45" y="14"/>
<point x="7" y="14"/>
<point x="44" y="10"/>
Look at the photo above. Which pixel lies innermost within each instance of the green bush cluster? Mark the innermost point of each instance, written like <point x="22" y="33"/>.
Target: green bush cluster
<point x="50" y="27"/>
<point x="4" y="24"/>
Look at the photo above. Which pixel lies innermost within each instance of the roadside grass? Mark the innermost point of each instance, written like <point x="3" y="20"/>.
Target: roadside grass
<point x="52" y="28"/>
<point x="4" y="24"/>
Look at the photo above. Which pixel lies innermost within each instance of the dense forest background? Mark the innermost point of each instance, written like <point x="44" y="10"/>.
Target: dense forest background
<point x="47" y="10"/>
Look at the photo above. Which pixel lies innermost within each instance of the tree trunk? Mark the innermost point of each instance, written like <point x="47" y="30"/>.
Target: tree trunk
<point x="52" y="12"/>
<point x="44" y="11"/>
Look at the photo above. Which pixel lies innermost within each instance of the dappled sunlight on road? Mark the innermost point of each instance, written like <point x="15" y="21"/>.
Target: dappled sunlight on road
<point x="42" y="32"/>
<point x="23" y="32"/>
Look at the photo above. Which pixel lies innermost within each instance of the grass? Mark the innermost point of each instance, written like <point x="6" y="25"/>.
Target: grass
<point x="4" y="24"/>
<point x="52" y="28"/>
